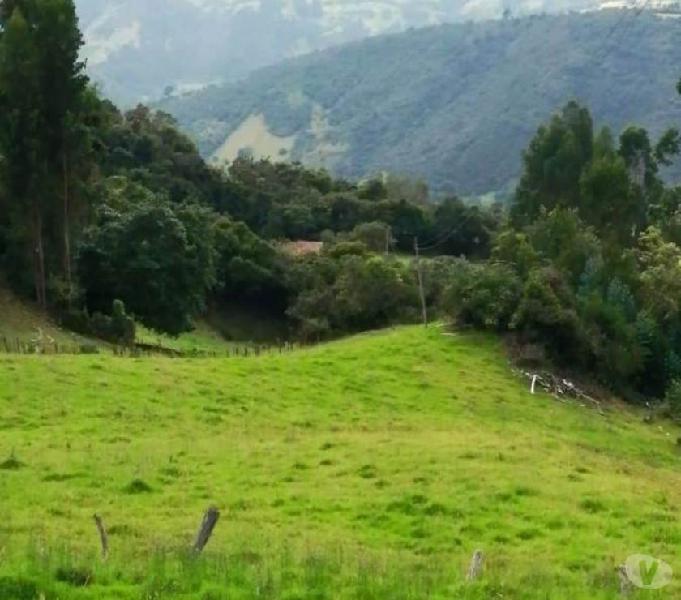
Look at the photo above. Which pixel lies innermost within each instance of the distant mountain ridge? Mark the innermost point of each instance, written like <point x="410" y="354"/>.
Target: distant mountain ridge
<point x="141" y="49"/>
<point x="454" y="104"/>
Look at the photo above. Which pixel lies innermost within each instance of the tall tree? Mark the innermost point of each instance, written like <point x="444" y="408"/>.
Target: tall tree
<point x="43" y="87"/>
<point x="7" y="8"/>
<point x="21" y="142"/>
<point x="608" y="201"/>
<point x="63" y="85"/>
<point x="553" y="164"/>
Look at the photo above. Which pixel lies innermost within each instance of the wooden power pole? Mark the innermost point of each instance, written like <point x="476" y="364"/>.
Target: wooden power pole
<point x="419" y="273"/>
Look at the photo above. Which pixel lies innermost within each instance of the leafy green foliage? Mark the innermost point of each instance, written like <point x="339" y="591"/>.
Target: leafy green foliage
<point x="484" y="295"/>
<point x="119" y="328"/>
<point x="592" y="251"/>
<point x="346" y="291"/>
<point x="248" y="267"/>
<point x="547" y="312"/>
<point x="673" y="398"/>
<point x="163" y="283"/>
<point x="376" y="236"/>
<point x="660" y="278"/>
<point x="43" y="110"/>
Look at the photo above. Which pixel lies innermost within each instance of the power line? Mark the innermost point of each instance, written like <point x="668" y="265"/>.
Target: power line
<point x="438" y="239"/>
<point x="637" y="11"/>
<point x="601" y="54"/>
<point x="605" y="50"/>
<point x="456" y="229"/>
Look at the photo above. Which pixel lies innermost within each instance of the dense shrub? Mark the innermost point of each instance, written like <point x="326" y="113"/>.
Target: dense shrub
<point x="118" y="328"/>
<point x="164" y="283"/>
<point x="376" y="236"/>
<point x="484" y="295"/>
<point x="350" y="292"/>
<point x="547" y="312"/>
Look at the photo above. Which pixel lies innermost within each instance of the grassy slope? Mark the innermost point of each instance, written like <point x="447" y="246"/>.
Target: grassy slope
<point x="369" y="468"/>
<point x="19" y="320"/>
<point x="23" y="321"/>
<point x="203" y="339"/>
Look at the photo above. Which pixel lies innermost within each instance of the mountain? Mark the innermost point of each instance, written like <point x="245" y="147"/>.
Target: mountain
<point x="141" y="49"/>
<point x="454" y="104"/>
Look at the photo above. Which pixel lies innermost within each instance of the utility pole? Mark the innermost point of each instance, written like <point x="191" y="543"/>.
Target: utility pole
<point x="388" y="239"/>
<point x="419" y="272"/>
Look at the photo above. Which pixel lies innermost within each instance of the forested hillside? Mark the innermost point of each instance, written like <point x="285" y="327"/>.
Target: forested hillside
<point x="454" y="104"/>
<point x="106" y="216"/>
<point x="112" y="219"/>
<point x="136" y="52"/>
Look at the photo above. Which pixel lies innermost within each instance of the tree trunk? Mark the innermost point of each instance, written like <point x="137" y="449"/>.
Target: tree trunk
<point x="67" y="232"/>
<point x="39" y="257"/>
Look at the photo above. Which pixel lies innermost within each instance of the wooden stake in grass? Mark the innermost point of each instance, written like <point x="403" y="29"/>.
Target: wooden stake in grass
<point x="477" y="562"/>
<point x="626" y="586"/>
<point x="103" y="537"/>
<point x="534" y="383"/>
<point x="210" y="520"/>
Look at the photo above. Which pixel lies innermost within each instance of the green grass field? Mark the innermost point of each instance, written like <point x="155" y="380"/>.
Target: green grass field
<point x="368" y="468"/>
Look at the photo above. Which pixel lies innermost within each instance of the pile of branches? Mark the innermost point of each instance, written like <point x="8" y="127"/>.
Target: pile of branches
<point x="560" y="388"/>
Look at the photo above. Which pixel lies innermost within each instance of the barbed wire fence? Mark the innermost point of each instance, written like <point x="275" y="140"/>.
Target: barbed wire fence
<point x="14" y="345"/>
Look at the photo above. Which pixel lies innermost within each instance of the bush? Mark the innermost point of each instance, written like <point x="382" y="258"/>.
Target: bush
<point x="375" y="236"/>
<point x="672" y="399"/>
<point x="485" y="296"/>
<point x="118" y="328"/>
<point x="158" y="259"/>
<point x="342" y="249"/>
<point x="16" y="588"/>
<point x="350" y="293"/>
<point x="547" y="313"/>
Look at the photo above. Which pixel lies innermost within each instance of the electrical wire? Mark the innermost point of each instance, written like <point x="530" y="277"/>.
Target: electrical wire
<point x="456" y="229"/>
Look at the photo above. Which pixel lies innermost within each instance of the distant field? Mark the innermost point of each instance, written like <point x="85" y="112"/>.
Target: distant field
<point x="369" y="468"/>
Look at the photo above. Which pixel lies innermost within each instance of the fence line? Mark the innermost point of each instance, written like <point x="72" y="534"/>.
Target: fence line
<point x="10" y="345"/>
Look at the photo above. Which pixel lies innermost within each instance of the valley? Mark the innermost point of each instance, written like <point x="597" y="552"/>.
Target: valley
<point x="360" y="301"/>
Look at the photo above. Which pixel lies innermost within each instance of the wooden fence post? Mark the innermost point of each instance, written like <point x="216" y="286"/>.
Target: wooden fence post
<point x="626" y="586"/>
<point x="477" y="562"/>
<point x="103" y="537"/>
<point x="210" y="520"/>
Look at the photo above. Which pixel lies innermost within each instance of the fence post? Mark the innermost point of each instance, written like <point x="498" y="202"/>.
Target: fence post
<point x="210" y="520"/>
<point x="103" y="537"/>
<point x="475" y="570"/>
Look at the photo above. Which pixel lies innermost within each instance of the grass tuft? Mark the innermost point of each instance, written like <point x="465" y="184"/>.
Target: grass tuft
<point x="12" y="463"/>
<point x="137" y="486"/>
<point x="74" y="576"/>
<point x="18" y="588"/>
